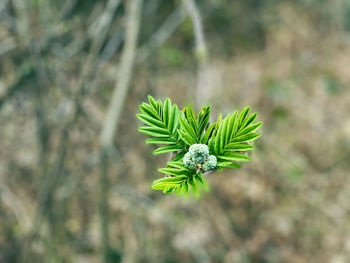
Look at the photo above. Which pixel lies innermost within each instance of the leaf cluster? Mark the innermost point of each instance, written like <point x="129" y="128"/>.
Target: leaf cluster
<point x="229" y="139"/>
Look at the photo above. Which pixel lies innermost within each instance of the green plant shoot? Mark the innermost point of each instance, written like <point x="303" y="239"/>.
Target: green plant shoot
<point x="197" y="147"/>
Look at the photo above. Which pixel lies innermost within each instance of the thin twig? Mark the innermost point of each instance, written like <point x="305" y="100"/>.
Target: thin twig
<point x="113" y="117"/>
<point x="193" y="11"/>
<point x="49" y="184"/>
<point x="162" y="34"/>
<point x="204" y="73"/>
<point x="123" y="77"/>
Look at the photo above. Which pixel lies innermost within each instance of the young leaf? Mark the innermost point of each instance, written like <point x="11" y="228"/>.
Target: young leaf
<point x="191" y="119"/>
<point x="234" y="156"/>
<point x="203" y="119"/>
<point x="249" y="129"/>
<point x="182" y="178"/>
<point x="246" y="138"/>
<point x="148" y="110"/>
<point x="150" y="121"/>
<point x="161" y="140"/>
<point x="168" y="148"/>
<point x="186" y="138"/>
<point x="238" y="147"/>
<point x="242" y="116"/>
<point x="172" y="171"/>
<point x="176" y="130"/>
<point x="174" y="118"/>
<point x="167" y="111"/>
<point x="154" y="131"/>
<point x="187" y="129"/>
<point x="162" y="121"/>
<point x="249" y="120"/>
<point x="153" y="102"/>
<point x="207" y="134"/>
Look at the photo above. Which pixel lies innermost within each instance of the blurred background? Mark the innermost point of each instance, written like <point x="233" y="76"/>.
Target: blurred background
<point x="75" y="174"/>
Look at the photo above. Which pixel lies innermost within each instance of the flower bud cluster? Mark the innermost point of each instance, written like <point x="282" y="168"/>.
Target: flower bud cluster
<point x="198" y="158"/>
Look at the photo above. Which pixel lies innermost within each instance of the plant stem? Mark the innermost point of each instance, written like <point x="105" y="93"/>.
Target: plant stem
<point x="113" y="117"/>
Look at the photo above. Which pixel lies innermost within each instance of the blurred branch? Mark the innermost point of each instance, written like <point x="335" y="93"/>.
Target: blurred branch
<point x="48" y="186"/>
<point x="113" y="116"/>
<point x="123" y="76"/>
<point x="22" y="20"/>
<point x="42" y="46"/>
<point x="112" y="45"/>
<point x="162" y="34"/>
<point x="19" y="210"/>
<point x="201" y="52"/>
<point x="104" y="20"/>
<point x="68" y="8"/>
<point x="7" y="45"/>
<point x="84" y="84"/>
<point x="99" y="31"/>
<point x="37" y="65"/>
<point x="201" y="47"/>
<point x="25" y="72"/>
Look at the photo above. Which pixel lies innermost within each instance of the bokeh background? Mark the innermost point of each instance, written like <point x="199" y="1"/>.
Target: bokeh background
<point x="68" y="195"/>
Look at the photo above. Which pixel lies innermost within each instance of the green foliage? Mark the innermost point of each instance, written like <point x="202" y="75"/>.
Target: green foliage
<point x="228" y="140"/>
<point x="180" y="179"/>
<point x="162" y="121"/>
